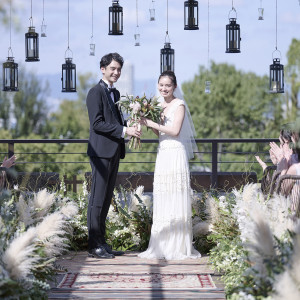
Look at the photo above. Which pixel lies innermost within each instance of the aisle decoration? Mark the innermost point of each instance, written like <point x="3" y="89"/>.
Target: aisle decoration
<point x="257" y="244"/>
<point x="138" y="107"/>
<point x="35" y="229"/>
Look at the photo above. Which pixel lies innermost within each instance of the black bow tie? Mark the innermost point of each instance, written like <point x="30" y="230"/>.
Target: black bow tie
<point x="111" y="90"/>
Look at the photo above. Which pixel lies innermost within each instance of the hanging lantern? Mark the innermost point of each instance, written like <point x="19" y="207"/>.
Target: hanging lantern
<point x="207" y="87"/>
<point x="137" y="37"/>
<point x="152" y="11"/>
<point x="92" y="49"/>
<point x="191" y="15"/>
<point x="43" y="29"/>
<point x="32" y="45"/>
<point x="10" y="75"/>
<point x="233" y="38"/>
<point x="115" y="19"/>
<point x="260" y="14"/>
<point x="276" y="77"/>
<point x="43" y="26"/>
<point x="167" y="58"/>
<point x="68" y="76"/>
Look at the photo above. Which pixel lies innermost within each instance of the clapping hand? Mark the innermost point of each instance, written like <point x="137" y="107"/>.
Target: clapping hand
<point x="262" y="164"/>
<point x="7" y="163"/>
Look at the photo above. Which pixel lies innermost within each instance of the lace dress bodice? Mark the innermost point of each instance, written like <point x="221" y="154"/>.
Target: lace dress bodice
<point x="167" y="141"/>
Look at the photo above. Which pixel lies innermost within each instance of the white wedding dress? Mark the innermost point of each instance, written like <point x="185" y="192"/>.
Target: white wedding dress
<point x="171" y="233"/>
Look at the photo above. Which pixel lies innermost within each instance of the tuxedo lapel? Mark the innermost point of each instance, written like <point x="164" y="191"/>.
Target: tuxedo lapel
<point x="110" y="100"/>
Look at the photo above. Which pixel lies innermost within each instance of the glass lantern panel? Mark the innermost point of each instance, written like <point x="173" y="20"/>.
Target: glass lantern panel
<point x="207" y="87"/>
<point x="43" y="30"/>
<point x="92" y="49"/>
<point x="7" y="77"/>
<point x="137" y="39"/>
<point x="152" y="14"/>
<point x="260" y="14"/>
<point x="191" y="16"/>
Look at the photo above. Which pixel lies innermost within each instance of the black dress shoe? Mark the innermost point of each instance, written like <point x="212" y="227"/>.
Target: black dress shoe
<point x="110" y="251"/>
<point x="100" y="252"/>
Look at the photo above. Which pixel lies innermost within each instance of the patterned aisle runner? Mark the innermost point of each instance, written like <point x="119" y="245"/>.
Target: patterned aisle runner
<point x="136" y="281"/>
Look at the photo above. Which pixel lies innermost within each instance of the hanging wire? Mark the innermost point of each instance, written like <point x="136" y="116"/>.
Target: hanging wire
<point x="68" y="25"/>
<point x="43" y="10"/>
<point x="207" y="35"/>
<point x="167" y="32"/>
<point x="92" y="19"/>
<point x="137" y="17"/>
<point x="276" y="26"/>
<point x="9" y="49"/>
<point x="167" y="17"/>
<point x="30" y="19"/>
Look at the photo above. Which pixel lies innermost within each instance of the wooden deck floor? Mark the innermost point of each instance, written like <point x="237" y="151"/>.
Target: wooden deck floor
<point x="129" y="265"/>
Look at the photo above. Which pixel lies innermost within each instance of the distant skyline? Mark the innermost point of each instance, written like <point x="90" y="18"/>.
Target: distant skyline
<point x="191" y="47"/>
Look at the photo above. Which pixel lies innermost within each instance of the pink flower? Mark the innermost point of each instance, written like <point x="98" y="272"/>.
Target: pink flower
<point x="136" y="107"/>
<point x="131" y="105"/>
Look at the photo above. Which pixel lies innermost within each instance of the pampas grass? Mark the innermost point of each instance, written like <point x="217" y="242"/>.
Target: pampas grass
<point x="69" y="210"/>
<point x="19" y="257"/>
<point x="201" y="228"/>
<point x="42" y="201"/>
<point x="25" y="211"/>
<point x="52" y="234"/>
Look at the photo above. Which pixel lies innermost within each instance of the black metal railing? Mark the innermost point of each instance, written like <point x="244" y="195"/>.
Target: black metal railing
<point x="214" y="153"/>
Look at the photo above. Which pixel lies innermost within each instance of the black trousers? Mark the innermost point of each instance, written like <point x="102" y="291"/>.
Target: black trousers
<point x="104" y="175"/>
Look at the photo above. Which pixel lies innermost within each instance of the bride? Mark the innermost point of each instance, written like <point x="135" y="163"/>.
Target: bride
<point x="171" y="233"/>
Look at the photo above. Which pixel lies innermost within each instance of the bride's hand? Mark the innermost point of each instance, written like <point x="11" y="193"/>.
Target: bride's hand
<point x="146" y="122"/>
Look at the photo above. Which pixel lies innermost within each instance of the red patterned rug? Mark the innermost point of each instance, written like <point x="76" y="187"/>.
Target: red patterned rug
<point x="136" y="281"/>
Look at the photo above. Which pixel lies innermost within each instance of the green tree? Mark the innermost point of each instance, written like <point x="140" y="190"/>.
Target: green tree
<point x="292" y="71"/>
<point x="239" y="106"/>
<point x="5" y="106"/>
<point x="29" y="107"/>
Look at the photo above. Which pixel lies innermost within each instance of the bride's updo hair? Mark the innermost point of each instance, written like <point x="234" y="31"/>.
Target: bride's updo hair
<point x="169" y="74"/>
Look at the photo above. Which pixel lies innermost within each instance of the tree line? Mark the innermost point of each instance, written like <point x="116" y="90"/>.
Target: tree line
<point x="239" y="106"/>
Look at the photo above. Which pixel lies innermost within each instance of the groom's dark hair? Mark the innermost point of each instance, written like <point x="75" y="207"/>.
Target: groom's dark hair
<point x="107" y="59"/>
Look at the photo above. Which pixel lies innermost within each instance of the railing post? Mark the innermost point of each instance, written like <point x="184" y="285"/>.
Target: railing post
<point x="214" y="165"/>
<point x="11" y="149"/>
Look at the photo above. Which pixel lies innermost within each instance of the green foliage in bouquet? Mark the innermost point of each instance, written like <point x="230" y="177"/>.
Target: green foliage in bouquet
<point x="138" y="107"/>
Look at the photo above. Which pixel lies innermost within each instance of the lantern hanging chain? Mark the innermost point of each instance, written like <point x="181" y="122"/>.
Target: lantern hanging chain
<point x="207" y="35"/>
<point x="68" y="26"/>
<point x="92" y="19"/>
<point x="30" y="19"/>
<point x="43" y="10"/>
<point x="167" y="32"/>
<point x="276" y="26"/>
<point x="9" y="49"/>
<point x="137" y="17"/>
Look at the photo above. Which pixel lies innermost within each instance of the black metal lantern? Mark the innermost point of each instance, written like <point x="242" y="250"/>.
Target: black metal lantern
<point x="115" y="18"/>
<point x="191" y="15"/>
<point x="10" y="75"/>
<point x="32" y="45"/>
<point x="167" y="58"/>
<point x="68" y="76"/>
<point x="276" y="84"/>
<point x="233" y="39"/>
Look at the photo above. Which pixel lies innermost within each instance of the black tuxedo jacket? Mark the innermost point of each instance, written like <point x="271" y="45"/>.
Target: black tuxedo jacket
<point x="106" y="123"/>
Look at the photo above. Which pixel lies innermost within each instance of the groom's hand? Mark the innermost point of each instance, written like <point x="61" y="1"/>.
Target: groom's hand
<point x="133" y="131"/>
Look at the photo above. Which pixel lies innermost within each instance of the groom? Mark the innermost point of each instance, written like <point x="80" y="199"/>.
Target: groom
<point x="105" y="148"/>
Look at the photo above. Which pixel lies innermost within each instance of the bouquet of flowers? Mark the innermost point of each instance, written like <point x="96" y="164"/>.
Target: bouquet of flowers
<point x="138" y="107"/>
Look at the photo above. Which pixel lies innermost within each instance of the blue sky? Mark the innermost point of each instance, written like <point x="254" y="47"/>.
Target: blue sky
<point x="257" y="45"/>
